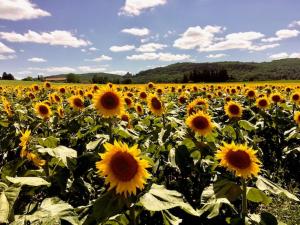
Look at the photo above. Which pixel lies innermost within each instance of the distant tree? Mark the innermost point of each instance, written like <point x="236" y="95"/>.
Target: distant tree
<point x="7" y="76"/>
<point x="127" y="81"/>
<point x="99" y="79"/>
<point x="72" y="78"/>
<point x="128" y="74"/>
<point x="185" y="78"/>
<point x="29" y="78"/>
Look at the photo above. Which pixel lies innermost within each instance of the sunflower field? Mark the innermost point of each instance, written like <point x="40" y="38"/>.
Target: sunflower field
<point x="207" y="154"/>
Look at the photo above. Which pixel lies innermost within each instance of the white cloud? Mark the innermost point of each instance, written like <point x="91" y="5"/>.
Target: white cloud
<point x="263" y="47"/>
<point x="88" y="69"/>
<point x="226" y="45"/>
<point x="295" y="55"/>
<point x="197" y="37"/>
<point x="282" y="34"/>
<point x="36" y="59"/>
<point x="83" y="50"/>
<point x="135" y="7"/>
<point x="5" y="57"/>
<point x="93" y="49"/>
<point x="5" y="49"/>
<point x="118" y="72"/>
<point x="215" y="56"/>
<point x="54" y="70"/>
<point x="20" y="10"/>
<point x="151" y="47"/>
<point x="294" y="23"/>
<point x="247" y="36"/>
<point x="123" y="48"/>
<point x="159" y="56"/>
<point x="100" y="58"/>
<point x="284" y="55"/>
<point x="136" y="31"/>
<point x="281" y="55"/>
<point x="56" y="37"/>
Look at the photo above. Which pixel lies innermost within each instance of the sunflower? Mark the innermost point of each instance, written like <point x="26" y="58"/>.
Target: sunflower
<point x="276" y="97"/>
<point x="262" y="103"/>
<point x="62" y="90"/>
<point x="239" y="159"/>
<point x="35" y="87"/>
<point x="35" y="159"/>
<point x="108" y="102"/>
<point x="76" y="102"/>
<point x="128" y="102"/>
<point x="297" y="118"/>
<point x="251" y="94"/>
<point x="295" y="97"/>
<point x="43" y="110"/>
<point x="60" y="112"/>
<point x="139" y="109"/>
<point x="182" y="98"/>
<point x="143" y="95"/>
<point x="7" y="107"/>
<point x="200" y="122"/>
<point x="47" y="84"/>
<point x="123" y="168"/>
<point x="24" y="139"/>
<point x="155" y="105"/>
<point x="233" y="109"/>
<point x="150" y="85"/>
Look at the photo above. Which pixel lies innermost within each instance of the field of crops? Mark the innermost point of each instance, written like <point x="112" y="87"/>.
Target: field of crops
<point x="207" y="154"/>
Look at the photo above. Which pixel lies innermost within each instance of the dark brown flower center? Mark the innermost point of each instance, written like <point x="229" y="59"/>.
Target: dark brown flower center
<point x="143" y="95"/>
<point x="276" y="98"/>
<point x="124" y="166"/>
<point x="43" y="110"/>
<point x="156" y="104"/>
<point x="128" y="101"/>
<point x="263" y="102"/>
<point x="239" y="159"/>
<point x="109" y="100"/>
<point x="296" y="97"/>
<point x="234" y="109"/>
<point x="251" y="94"/>
<point x="78" y="102"/>
<point x="125" y="118"/>
<point x="200" y="122"/>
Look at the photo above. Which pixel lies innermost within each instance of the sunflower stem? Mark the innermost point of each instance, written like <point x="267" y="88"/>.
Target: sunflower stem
<point x="132" y="216"/>
<point x="164" y="120"/>
<point x="244" y="200"/>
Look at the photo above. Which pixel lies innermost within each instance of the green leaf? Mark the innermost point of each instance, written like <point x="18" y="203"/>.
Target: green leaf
<point x="170" y="219"/>
<point x="52" y="211"/>
<point x="4" y="123"/>
<point x="256" y="195"/>
<point x="30" y="181"/>
<point x="246" y="125"/>
<point x="229" y="131"/>
<point x="49" y="142"/>
<point x="188" y="142"/>
<point x="106" y="206"/>
<point x="266" y="185"/>
<point x="214" y="207"/>
<point x="159" y="198"/>
<point x="61" y="153"/>
<point x="8" y="196"/>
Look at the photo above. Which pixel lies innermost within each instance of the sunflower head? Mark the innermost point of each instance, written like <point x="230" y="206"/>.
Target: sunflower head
<point x="262" y="103"/>
<point x="295" y="97"/>
<point x="143" y="95"/>
<point x="60" y="112"/>
<point x="43" y="110"/>
<point x="200" y="123"/>
<point x="155" y="105"/>
<point x="150" y="85"/>
<point x="76" y="102"/>
<point x="139" y="109"/>
<point x="35" y="87"/>
<point x="24" y="139"/>
<point x="108" y="102"/>
<point x="239" y="159"/>
<point x="47" y="85"/>
<point x="233" y="109"/>
<point x="297" y="117"/>
<point x="123" y="168"/>
<point x="182" y="99"/>
<point x="276" y="97"/>
<point x="251" y="94"/>
<point x="62" y="90"/>
<point x="128" y="102"/>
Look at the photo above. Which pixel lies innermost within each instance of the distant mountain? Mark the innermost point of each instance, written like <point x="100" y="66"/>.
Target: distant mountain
<point x="284" y="69"/>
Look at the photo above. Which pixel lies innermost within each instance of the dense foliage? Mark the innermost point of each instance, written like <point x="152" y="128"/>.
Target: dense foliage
<point x="148" y="154"/>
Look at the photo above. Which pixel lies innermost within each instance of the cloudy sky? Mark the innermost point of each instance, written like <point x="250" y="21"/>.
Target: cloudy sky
<point x="63" y="36"/>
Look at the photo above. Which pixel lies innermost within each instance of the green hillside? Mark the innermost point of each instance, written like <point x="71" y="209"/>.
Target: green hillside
<point x="284" y="69"/>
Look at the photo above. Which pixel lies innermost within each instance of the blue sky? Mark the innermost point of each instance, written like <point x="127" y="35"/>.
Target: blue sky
<point x="62" y="36"/>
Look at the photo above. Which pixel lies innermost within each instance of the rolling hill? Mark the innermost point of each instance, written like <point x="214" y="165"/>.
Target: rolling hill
<point x="284" y="69"/>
